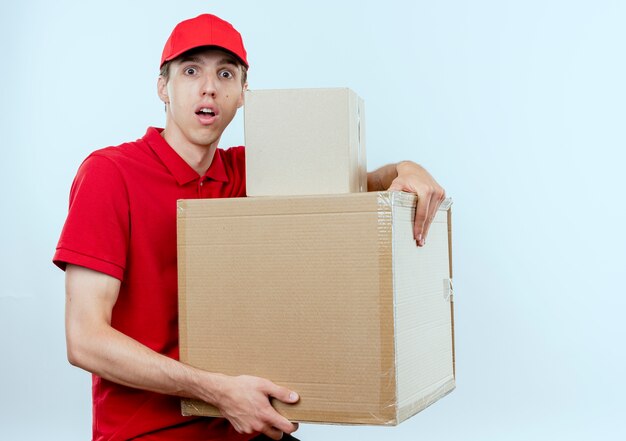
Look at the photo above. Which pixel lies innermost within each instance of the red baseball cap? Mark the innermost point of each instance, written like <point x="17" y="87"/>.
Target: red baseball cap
<point x="204" y="30"/>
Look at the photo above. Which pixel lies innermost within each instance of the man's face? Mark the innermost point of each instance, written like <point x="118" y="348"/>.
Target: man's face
<point x="202" y="94"/>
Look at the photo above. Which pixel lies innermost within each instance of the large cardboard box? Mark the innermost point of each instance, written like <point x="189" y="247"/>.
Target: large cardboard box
<point x="326" y="295"/>
<point x="304" y="141"/>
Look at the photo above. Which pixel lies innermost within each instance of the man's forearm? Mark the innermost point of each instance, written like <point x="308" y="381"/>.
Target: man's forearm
<point x="116" y="357"/>
<point x="95" y="346"/>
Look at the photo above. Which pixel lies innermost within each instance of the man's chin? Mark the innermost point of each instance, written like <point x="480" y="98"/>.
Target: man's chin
<point x="205" y="141"/>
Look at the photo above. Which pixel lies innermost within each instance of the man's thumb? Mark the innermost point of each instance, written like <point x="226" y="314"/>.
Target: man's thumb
<point x="283" y="394"/>
<point x="292" y="397"/>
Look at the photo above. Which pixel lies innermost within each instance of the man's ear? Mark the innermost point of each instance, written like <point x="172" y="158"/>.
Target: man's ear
<point x="243" y="95"/>
<point x="162" y="89"/>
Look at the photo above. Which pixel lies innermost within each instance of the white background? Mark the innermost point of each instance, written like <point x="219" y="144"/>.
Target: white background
<point x="517" y="108"/>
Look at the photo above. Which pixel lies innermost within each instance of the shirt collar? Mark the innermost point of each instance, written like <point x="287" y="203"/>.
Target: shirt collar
<point x="182" y="172"/>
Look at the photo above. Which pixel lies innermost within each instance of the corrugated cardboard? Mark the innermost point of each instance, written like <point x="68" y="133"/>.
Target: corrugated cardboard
<point x="326" y="295"/>
<point x="304" y="142"/>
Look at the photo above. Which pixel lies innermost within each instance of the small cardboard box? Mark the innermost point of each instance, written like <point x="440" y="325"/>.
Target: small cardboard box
<point x="326" y="295"/>
<point x="304" y="142"/>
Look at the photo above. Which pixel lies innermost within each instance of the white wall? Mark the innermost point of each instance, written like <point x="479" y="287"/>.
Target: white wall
<point x="518" y="108"/>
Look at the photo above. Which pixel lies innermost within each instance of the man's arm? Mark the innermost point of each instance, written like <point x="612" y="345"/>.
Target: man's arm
<point x="410" y="177"/>
<point x="95" y="346"/>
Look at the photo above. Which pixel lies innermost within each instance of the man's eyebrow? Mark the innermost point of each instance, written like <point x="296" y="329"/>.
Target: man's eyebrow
<point x="191" y="59"/>
<point x="198" y="60"/>
<point x="228" y="60"/>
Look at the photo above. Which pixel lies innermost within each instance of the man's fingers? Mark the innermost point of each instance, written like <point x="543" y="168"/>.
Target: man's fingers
<point x="271" y="423"/>
<point x="432" y="212"/>
<point x="286" y="396"/>
<point x="282" y="424"/>
<point x="273" y="433"/>
<point x="421" y="215"/>
<point x="414" y="179"/>
<point x="435" y="202"/>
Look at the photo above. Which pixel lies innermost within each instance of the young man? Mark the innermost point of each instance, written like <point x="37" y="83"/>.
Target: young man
<point x="118" y="248"/>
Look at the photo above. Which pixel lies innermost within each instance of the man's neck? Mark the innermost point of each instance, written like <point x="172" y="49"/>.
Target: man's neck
<point x="197" y="157"/>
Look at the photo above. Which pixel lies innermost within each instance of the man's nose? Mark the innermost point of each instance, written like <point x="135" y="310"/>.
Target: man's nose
<point x="209" y="87"/>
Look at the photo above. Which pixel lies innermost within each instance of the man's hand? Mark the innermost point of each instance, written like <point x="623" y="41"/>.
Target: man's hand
<point x="244" y="401"/>
<point x="413" y="178"/>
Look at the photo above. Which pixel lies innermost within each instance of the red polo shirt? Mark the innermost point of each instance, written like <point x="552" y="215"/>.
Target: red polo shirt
<point x="122" y="222"/>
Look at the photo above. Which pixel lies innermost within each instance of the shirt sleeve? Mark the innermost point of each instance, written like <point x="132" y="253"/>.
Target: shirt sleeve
<point x="97" y="228"/>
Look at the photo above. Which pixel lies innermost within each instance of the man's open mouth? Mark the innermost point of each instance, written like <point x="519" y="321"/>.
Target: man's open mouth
<point x="205" y="111"/>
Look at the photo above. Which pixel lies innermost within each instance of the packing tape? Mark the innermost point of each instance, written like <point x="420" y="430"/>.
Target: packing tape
<point x="448" y="290"/>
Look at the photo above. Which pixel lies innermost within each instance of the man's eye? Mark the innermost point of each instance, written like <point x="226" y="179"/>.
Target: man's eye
<point x="226" y="74"/>
<point x="190" y="71"/>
